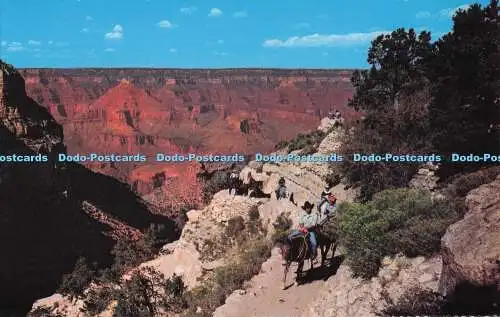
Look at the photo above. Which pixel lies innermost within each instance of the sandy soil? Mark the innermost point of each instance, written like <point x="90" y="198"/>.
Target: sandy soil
<point x="264" y="296"/>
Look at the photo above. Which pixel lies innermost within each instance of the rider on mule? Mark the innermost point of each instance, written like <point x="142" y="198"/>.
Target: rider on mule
<point x="327" y="208"/>
<point x="281" y="191"/>
<point x="307" y="224"/>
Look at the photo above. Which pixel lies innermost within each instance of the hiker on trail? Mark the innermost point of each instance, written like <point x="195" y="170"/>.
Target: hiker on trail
<point x="325" y="192"/>
<point x="327" y="208"/>
<point x="307" y="225"/>
<point x="337" y="118"/>
<point x="233" y="181"/>
<point x="337" y="114"/>
<point x="281" y="191"/>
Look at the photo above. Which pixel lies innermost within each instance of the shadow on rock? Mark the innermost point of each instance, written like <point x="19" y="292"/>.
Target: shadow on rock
<point x="322" y="272"/>
<point x="473" y="299"/>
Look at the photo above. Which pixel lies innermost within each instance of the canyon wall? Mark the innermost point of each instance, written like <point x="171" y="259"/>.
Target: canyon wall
<point x="44" y="227"/>
<point x="179" y="111"/>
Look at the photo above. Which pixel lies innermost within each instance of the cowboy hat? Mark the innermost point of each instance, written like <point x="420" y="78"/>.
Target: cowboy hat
<point x="307" y="205"/>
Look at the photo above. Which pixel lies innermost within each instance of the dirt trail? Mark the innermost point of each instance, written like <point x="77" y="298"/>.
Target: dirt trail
<point x="265" y="298"/>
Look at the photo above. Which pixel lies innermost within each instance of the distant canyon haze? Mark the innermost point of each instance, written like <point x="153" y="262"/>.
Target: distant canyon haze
<point x="151" y="111"/>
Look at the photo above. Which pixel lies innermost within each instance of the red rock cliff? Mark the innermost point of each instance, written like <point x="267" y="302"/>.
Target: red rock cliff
<point x="171" y="110"/>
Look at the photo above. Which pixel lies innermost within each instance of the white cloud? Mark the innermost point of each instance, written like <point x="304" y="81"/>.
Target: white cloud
<point x="50" y="42"/>
<point x="34" y="43"/>
<point x="4" y="43"/>
<point x="220" y="41"/>
<point x="302" y="25"/>
<point x="317" y="40"/>
<point x="109" y="50"/>
<point x="215" y="12"/>
<point x="423" y="15"/>
<point x="14" y="47"/>
<point x="240" y="14"/>
<point x="450" y="12"/>
<point x="173" y="50"/>
<point x="188" y="10"/>
<point x="166" y="24"/>
<point x="88" y="18"/>
<point x="85" y="30"/>
<point x="220" y="53"/>
<point x="117" y="33"/>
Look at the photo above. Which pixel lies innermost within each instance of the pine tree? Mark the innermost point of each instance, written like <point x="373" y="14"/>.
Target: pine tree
<point x="393" y="95"/>
<point x="465" y="71"/>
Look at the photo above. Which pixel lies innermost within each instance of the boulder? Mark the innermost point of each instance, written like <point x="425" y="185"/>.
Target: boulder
<point x="425" y="178"/>
<point x="326" y="124"/>
<point x="471" y="247"/>
<point x="345" y="296"/>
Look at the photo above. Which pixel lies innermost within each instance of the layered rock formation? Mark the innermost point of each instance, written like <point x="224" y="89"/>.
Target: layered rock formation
<point x="178" y="111"/>
<point x="46" y="208"/>
<point x="471" y="247"/>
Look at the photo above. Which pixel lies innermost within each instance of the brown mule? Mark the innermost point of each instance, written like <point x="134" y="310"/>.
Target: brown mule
<point x="295" y="249"/>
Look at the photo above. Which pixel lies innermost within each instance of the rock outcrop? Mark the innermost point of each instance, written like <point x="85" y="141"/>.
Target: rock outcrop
<point x="344" y="296"/>
<point x="425" y="178"/>
<point x="471" y="247"/>
<point x="44" y="228"/>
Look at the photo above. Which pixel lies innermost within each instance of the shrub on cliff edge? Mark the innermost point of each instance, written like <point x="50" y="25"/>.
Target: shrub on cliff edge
<point x="75" y="283"/>
<point x="396" y="221"/>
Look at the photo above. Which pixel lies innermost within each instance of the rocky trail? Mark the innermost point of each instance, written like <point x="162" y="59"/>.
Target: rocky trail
<point x="329" y="291"/>
<point x="264" y="296"/>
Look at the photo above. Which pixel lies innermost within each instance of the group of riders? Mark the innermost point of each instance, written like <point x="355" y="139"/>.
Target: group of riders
<point x="310" y="221"/>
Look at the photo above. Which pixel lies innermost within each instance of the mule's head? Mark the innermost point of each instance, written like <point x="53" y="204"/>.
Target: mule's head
<point x="283" y="243"/>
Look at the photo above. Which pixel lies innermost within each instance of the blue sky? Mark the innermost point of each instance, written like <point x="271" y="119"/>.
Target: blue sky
<point x="208" y="33"/>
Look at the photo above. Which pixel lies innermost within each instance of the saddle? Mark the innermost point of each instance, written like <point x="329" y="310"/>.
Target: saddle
<point x="305" y="239"/>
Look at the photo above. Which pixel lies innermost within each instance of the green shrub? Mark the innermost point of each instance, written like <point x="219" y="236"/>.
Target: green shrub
<point x="253" y="213"/>
<point x="310" y="141"/>
<point x="414" y="302"/>
<point x="74" y="283"/>
<point x="174" y="297"/>
<point x="245" y="126"/>
<point x="254" y="225"/>
<point x="98" y="300"/>
<point x="127" y="255"/>
<point x="396" y="221"/>
<point x="281" y="145"/>
<point x="42" y="311"/>
<point x="228" y="278"/>
<point x="461" y="185"/>
<point x="235" y="227"/>
<point x="155" y="237"/>
<point x="140" y="295"/>
<point x="214" y="184"/>
<point x="282" y="226"/>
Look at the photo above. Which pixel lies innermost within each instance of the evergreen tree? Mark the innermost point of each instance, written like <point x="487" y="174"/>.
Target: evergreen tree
<point x="393" y="95"/>
<point x="396" y="66"/>
<point x="465" y="72"/>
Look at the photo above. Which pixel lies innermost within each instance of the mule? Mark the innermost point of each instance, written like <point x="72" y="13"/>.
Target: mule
<point x="325" y="243"/>
<point x="295" y="249"/>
